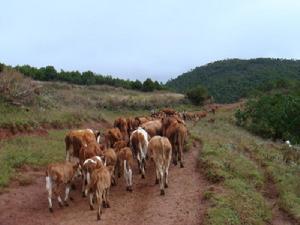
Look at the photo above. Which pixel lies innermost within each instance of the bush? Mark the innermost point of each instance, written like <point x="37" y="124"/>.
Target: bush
<point x="16" y="88"/>
<point x="274" y="116"/>
<point x="197" y="95"/>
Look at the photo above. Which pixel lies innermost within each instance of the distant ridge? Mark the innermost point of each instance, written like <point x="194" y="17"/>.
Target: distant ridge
<point x="232" y="79"/>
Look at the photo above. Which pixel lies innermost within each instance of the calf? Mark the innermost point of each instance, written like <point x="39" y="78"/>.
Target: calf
<point x="160" y="150"/>
<point x="58" y="174"/>
<point x="121" y="123"/>
<point x="88" y="167"/>
<point x="86" y="152"/>
<point x="112" y="136"/>
<point x="125" y="160"/>
<point x="139" y="145"/>
<point x="110" y="160"/>
<point x="99" y="185"/>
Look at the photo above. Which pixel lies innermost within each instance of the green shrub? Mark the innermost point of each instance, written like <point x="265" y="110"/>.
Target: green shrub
<point x="272" y="116"/>
<point x="197" y="95"/>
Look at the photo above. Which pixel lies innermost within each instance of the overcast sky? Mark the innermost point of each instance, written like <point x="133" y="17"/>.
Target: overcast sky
<point x="137" y="39"/>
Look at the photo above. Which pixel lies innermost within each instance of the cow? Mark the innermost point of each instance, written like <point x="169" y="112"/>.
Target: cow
<point x="86" y="152"/>
<point x="58" y="174"/>
<point x="99" y="186"/>
<point x="169" y="111"/>
<point x="119" y="145"/>
<point x="112" y="136"/>
<point x="75" y="139"/>
<point x="176" y="132"/>
<point x="121" y="123"/>
<point x="160" y="151"/>
<point x="153" y="127"/>
<point x="125" y="161"/>
<point x="88" y="167"/>
<point x="110" y="160"/>
<point x="139" y="145"/>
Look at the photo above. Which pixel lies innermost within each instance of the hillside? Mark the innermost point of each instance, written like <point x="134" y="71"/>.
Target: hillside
<point x="229" y="80"/>
<point x="26" y="104"/>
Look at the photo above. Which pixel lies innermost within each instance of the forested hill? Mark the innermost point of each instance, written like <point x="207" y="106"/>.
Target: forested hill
<point x="229" y="80"/>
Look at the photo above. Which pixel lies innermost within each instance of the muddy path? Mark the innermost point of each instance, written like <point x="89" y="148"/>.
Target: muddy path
<point x="181" y="205"/>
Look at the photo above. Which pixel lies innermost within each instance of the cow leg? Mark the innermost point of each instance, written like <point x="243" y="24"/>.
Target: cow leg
<point x="126" y="175"/>
<point x="130" y="179"/>
<point x="57" y="194"/>
<point x="84" y="183"/>
<point x="157" y="175"/>
<point x="91" y="200"/>
<point x="88" y="181"/>
<point x="99" y="202"/>
<point x="106" y="194"/>
<point x="175" y="157"/>
<point x="67" y="192"/>
<point x="180" y="156"/>
<point x="161" y="179"/>
<point x="49" y="189"/>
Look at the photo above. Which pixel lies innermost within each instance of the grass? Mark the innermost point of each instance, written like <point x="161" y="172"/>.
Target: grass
<point x="241" y="163"/>
<point x="61" y="105"/>
<point x="30" y="150"/>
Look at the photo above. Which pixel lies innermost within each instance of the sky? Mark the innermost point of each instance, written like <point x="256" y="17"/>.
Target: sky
<point x="136" y="39"/>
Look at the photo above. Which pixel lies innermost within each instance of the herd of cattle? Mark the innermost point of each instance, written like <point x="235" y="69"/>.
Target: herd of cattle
<point x="98" y="159"/>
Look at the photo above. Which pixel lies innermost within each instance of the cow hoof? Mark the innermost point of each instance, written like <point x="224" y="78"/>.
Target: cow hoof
<point x="91" y="207"/>
<point x="98" y="217"/>
<point x="143" y="176"/>
<point x="83" y="194"/>
<point x="156" y="181"/>
<point x="130" y="189"/>
<point x="51" y="210"/>
<point x="60" y="204"/>
<point x="107" y="205"/>
<point x="162" y="192"/>
<point x="166" y="185"/>
<point x="72" y="199"/>
<point x="67" y="204"/>
<point x="181" y="165"/>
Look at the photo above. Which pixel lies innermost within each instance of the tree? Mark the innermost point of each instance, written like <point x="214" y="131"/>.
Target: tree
<point x="148" y="85"/>
<point x="197" y="95"/>
<point x="137" y="85"/>
<point x="88" y="78"/>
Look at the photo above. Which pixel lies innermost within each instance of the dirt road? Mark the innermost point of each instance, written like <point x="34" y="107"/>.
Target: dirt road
<point x="181" y="204"/>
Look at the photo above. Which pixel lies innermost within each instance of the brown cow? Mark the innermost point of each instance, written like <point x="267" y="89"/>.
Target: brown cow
<point x="75" y="139"/>
<point x="58" y="174"/>
<point x="177" y="134"/>
<point x="125" y="160"/>
<point x="119" y="145"/>
<point x="139" y="145"/>
<point x="169" y="111"/>
<point x="112" y="136"/>
<point x="110" y="160"/>
<point x="88" y="167"/>
<point x="99" y="186"/>
<point x="121" y="123"/>
<point x="86" y="152"/>
<point x="153" y="127"/>
<point x="160" y="150"/>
